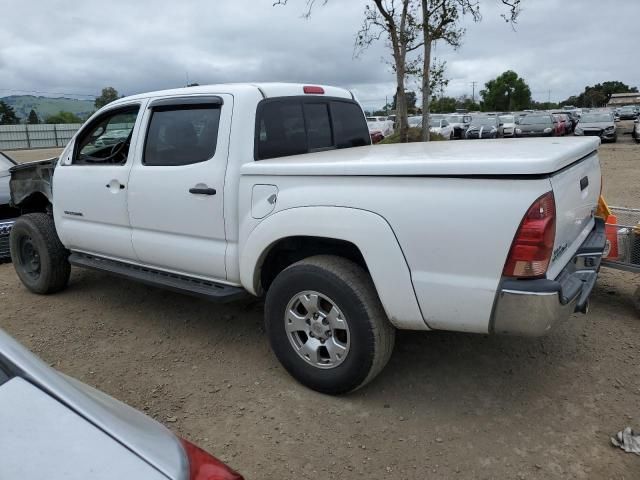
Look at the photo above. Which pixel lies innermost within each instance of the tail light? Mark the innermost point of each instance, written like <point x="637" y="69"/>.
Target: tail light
<point x="532" y="246"/>
<point x="203" y="466"/>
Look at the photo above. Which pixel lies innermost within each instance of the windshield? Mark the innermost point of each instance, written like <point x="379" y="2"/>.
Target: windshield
<point x="415" y="121"/>
<point x="627" y="109"/>
<point x="484" y="121"/>
<point x="535" y="120"/>
<point x="507" y="119"/>
<point x="435" y="122"/>
<point x="596" y="118"/>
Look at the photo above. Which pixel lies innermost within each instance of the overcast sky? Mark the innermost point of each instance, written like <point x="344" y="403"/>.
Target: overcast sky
<point x="77" y="47"/>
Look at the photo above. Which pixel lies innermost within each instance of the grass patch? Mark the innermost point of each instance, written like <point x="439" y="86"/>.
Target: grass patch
<point x="415" y="135"/>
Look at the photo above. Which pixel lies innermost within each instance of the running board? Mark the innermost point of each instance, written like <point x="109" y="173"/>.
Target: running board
<point x="178" y="283"/>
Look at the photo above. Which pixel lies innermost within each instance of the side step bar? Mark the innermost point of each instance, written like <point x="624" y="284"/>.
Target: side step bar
<point x="178" y="283"/>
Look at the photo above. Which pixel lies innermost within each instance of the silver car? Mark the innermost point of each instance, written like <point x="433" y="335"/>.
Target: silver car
<point x="600" y="124"/>
<point x="55" y="427"/>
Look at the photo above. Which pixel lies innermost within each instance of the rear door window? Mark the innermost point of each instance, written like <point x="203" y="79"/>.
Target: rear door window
<point x="182" y="135"/>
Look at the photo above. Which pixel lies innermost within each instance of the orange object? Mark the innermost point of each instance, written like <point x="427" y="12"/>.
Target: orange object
<point x="611" y="230"/>
<point x="603" y="210"/>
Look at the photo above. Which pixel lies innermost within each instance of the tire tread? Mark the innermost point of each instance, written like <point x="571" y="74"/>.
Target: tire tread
<point x="58" y="255"/>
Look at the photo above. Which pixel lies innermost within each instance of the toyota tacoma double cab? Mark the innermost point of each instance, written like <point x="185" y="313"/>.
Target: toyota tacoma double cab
<point x="274" y="190"/>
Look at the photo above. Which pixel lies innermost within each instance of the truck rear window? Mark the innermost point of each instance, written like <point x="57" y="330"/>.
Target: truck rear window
<point x="297" y="125"/>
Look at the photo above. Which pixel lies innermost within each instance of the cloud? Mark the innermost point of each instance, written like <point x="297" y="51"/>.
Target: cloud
<point x="80" y="47"/>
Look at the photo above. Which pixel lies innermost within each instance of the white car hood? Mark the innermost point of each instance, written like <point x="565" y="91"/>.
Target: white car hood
<point x="531" y="156"/>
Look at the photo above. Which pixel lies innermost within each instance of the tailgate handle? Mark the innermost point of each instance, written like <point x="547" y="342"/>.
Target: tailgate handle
<point x="202" y="191"/>
<point x="584" y="183"/>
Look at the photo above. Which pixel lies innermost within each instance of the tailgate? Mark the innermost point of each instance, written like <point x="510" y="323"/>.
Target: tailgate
<point x="576" y="190"/>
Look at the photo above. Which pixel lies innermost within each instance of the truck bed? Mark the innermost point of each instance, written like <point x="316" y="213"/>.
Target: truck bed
<point x="527" y="156"/>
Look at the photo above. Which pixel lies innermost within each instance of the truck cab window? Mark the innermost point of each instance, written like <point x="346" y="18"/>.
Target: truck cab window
<point x="182" y="135"/>
<point x="282" y="131"/>
<point x="107" y="140"/>
<point x="318" y="126"/>
<point x="350" y="128"/>
<point x="293" y="126"/>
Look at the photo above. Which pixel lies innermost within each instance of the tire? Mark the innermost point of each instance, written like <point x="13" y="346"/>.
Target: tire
<point x="369" y="336"/>
<point x="38" y="256"/>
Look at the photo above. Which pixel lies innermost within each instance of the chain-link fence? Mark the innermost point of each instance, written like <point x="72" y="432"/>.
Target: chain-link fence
<point x="15" y="137"/>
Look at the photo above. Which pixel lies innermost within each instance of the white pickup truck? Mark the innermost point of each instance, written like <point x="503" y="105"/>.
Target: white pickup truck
<point x="274" y="190"/>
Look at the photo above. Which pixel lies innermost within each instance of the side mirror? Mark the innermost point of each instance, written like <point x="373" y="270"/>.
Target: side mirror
<point x="501" y="125"/>
<point x="635" y="121"/>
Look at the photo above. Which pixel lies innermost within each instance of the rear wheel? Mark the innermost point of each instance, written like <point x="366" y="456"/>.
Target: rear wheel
<point x="38" y="256"/>
<point x="326" y="324"/>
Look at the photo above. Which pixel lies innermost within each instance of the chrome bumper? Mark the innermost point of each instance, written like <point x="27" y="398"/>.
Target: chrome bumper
<point x="5" y="230"/>
<point x="533" y="307"/>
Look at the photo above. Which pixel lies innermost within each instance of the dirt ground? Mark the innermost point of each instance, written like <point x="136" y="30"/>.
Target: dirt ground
<point x="447" y="406"/>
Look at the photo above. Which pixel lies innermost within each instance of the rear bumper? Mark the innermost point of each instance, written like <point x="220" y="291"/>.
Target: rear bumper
<point x="533" y="307"/>
<point x="5" y="230"/>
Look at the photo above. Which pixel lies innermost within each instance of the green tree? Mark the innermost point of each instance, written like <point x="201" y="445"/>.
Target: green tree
<point x="410" y="98"/>
<point x="63" y="117"/>
<point x="544" y="105"/>
<point x="467" y="103"/>
<point x="8" y="115"/>
<point x="505" y="93"/>
<point x="599" y="94"/>
<point x="108" y="95"/>
<point x="33" y="119"/>
<point x="443" y="105"/>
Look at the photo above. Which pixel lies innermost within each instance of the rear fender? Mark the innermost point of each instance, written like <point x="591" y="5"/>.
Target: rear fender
<point x="366" y="230"/>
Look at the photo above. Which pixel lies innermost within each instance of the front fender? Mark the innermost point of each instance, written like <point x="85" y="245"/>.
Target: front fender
<point x="366" y="230"/>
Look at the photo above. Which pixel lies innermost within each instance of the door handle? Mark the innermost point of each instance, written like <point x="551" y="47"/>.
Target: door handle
<point x="202" y="191"/>
<point x="114" y="185"/>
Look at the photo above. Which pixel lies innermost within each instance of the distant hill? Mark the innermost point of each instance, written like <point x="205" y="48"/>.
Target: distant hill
<point x="45" y="106"/>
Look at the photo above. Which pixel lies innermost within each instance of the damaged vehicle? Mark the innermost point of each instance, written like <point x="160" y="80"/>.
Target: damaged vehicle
<point x="483" y="126"/>
<point x="8" y="214"/>
<point x="599" y="124"/>
<point x="274" y="190"/>
<point x="460" y="123"/>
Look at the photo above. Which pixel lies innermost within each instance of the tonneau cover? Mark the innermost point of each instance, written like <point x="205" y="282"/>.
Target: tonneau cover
<point x="518" y="156"/>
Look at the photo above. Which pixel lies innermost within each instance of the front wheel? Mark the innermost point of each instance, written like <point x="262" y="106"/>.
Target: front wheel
<point x="326" y="324"/>
<point x="38" y="256"/>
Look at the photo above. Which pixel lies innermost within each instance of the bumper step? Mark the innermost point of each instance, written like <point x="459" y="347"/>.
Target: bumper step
<point x="212" y="291"/>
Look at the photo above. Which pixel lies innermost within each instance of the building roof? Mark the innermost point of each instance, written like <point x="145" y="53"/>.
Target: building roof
<point x="619" y="99"/>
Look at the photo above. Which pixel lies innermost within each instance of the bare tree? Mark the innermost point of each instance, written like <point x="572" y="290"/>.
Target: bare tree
<point x="396" y="21"/>
<point x="409" y="25"/>
<point x="440" y="22"/>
